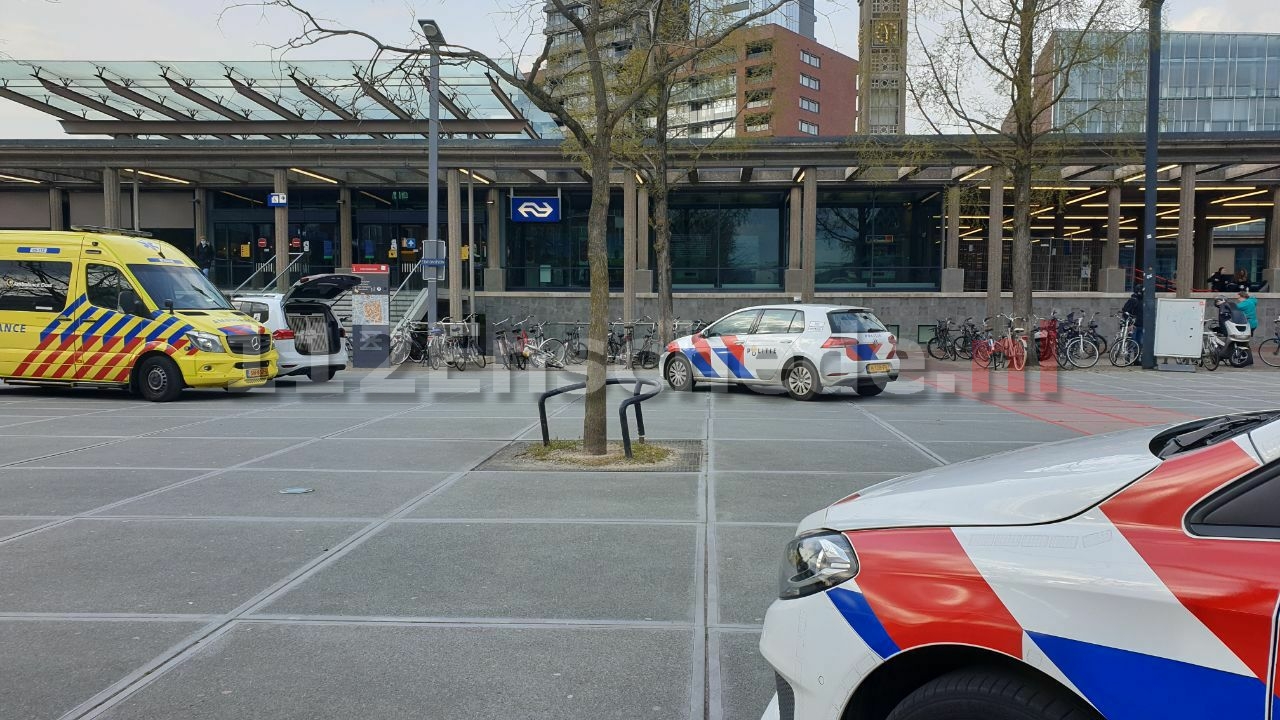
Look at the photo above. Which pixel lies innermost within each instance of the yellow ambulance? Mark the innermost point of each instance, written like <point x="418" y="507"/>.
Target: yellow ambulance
<point x="113" y="308"/>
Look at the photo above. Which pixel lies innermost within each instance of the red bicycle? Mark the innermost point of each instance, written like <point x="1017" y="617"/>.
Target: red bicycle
<point x="1008" y="350"/>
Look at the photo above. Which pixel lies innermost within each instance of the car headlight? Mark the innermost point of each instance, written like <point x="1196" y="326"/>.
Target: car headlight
<point x="205" y="342"/>
<point x="814" y="562"/>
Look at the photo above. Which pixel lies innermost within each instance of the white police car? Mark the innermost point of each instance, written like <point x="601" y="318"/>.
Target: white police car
<point x="307" y="335"/>
<point x="801" y="348"/>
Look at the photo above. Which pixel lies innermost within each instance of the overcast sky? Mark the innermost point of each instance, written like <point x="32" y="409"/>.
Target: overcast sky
<point x="202" y="30"/>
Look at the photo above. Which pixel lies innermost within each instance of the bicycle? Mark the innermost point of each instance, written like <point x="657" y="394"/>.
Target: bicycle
<point x="1211" y="348"/>
<point x="1009" y="349"/>
<point x="1074" y="347"/>
<point x="942" y="346"/>
<point x="470" y="350"/>
<point x="962" y="346"/>
<point x="1269" y="350"/>
<point x="647" y="356"/>
<point x="1125" y="350"/>
<point x="545" y="351"/>
<point x="574" y="351"/>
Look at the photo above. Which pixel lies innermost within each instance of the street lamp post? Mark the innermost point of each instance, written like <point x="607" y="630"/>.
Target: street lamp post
<point x="435" y="39"/>
<point x="1154" y="9"/>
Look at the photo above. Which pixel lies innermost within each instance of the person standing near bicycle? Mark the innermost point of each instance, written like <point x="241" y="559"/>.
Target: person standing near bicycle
<point x="1248" y="306"/>
<point x="1133" y="308"/>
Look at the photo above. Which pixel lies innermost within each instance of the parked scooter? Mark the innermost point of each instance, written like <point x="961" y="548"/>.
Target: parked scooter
<point x="1233" y="325"/>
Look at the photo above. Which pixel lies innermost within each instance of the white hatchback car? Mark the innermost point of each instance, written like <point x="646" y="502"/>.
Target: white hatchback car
<point x="802" y="348"/>
<point x="307" y="335"/>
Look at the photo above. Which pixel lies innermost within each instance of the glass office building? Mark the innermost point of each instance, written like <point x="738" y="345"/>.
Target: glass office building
<point x="1210" y="82"/>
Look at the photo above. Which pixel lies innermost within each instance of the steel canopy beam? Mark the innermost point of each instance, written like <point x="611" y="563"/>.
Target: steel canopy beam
<point x="326" y="102"/>
<point x="269" y="104"/>
<point x="34" y="104"/>
<point x="510" y="105"/>
<point x="146" y="102"/>
<point x="287" y="127"/>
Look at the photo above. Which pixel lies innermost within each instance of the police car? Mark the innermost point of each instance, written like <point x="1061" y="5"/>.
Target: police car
<point x="1126" y="576"/>
<point x="801" y="348"/>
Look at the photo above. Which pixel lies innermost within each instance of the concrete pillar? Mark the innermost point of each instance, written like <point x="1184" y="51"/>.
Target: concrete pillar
<point x="345" y="239"/>
<point x="952" y="275"/>
<point x="794" y="278"/>
<point x="1112" y="278"/>
<point x="1186" y="232"/>
<point x="494" y="278"/>
<point x="1203" y="244"/>
<point x="111" y="198"/>
<point x="280" y="184"/>
<point x="995" y="242"/>
<point x="809" y="230"/>
<point x="454" y="251"/>
<point x="200" y="216"/>
<point x="1272" y="274"/>
<point x="57" y="205"/>
<point x="644" y="241"/>
<point x="628" y="246"/>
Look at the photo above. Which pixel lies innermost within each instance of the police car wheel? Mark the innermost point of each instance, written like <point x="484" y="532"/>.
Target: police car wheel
<point x="320" y="374"/>
<point x="679" y="374"/>
<point x="158" y="379"/>
<point x="988" y="694"/>
<point x="801" y="381"/>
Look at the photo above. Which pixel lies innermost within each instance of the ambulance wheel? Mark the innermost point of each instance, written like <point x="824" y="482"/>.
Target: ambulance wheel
<point x="158" y="379"/>
<point x="679" y="373"/>
<point x="801" y="381"/>
<point x="988" y="694"/>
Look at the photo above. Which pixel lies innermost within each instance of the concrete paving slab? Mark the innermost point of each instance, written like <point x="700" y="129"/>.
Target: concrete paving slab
<point x="784" y="497"/>
<point x="11" y="525"/>
<point x="794" y="455"/>
<point x="31" y="491"/>
<point x="747" y="560"/>
<point x="488" y="428"/>
<point x="167" y="452"/>
<point x="15" y="450"/>
<point x="961" y="451"/>
<point x="98" y="425"/>
<point x="649" y="496"/>
<point x="50" y="667"/>
<point x="303" y="672"/>
<point x="255" y="493"/>
<point x="423" y="455"/>
<point x="851" y="426"/>
<point x="960" y="429"/>
<point x="656" y="425"/>
<point x="260" y="427"/>
<point x="567" y="571"/>
<point x="746" y="680"/>
<point x="155" y="566"/>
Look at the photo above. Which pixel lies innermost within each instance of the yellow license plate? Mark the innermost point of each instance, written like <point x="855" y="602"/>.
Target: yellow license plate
<point x="878" y="368"/>
<point x="254" y="373"/>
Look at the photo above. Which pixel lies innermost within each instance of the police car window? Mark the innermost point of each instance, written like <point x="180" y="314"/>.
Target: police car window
<point x="34" y="285"/>
<point x="1252" y="506"/>
<point x="775" y="322"/>
<point x="736" y="324"/>
<point x="102" y="285"/>
<point x="257" y="311"/>
<point x="848" y="322"/>
<point x="797" y="323"/>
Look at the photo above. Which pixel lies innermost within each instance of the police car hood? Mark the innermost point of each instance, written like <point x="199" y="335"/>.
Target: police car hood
<point x="1036" y="485"/>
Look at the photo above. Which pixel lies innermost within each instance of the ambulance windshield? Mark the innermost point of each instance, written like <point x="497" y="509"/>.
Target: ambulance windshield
<point x="187" y="287"/>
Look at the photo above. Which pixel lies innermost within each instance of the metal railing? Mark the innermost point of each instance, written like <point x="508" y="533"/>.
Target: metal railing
<point x="636" y="398"/>
<point x="269" y="264"/>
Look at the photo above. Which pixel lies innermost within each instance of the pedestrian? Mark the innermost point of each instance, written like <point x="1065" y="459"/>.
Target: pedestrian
<point x="1218" y="280"/>
<point x="1133" y="308"/>
<point x="204" y="256"/>
<point x="1241" y="280"/>
<point x="1248" y="306"/>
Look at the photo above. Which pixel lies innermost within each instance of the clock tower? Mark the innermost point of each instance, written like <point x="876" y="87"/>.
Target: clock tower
<point x="882" y="55"/>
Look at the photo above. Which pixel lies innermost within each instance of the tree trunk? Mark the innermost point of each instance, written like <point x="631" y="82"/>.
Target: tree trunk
<point x="1021" y="259"/>
<point x="595" y="435"/>
<point x="662" y="257"/>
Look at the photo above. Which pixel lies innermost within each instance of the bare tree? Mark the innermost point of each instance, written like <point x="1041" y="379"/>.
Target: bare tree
<point x="1001" y="67"/>
<point x="594" y="27"/>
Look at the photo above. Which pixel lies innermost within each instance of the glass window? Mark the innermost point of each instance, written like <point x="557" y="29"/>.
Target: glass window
<point x="809" y="81"/>
<point x="850" y="322"/>
<point x="185" y="286"/>
<point x="808" y="128"/>
<point x="257" y="311"/>
<point x="807" y="104"/>
<point x="726" y="240"/>
<point x="739" y="323"/>
<point x="810" y="59"/>
<point x="34" y="285"/>
<point x="102" y="285"/>
<point x="797" y="323"/>
<point x="1254" y="505"/>
<point x="776" y="322"/>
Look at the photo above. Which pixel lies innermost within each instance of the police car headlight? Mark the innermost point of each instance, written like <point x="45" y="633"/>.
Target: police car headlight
<point x="205" y="342"/>
<point x="814" y="562"/>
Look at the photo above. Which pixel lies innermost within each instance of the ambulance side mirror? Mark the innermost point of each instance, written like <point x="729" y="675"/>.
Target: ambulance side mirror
<point x="132" y="304"/>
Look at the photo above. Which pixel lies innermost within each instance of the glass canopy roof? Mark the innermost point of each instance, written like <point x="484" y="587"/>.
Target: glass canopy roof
<point x="322" y="90"/>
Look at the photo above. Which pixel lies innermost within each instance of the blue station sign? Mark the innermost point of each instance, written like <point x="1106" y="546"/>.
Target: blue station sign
<point x="535" y="209"/>
<point x="277" y="200"/>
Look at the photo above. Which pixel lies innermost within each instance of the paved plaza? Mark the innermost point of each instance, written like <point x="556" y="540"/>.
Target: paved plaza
<point x="153" y="569"/>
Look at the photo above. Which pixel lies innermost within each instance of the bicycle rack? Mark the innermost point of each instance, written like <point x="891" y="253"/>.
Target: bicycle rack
<point x="636" y="398"/>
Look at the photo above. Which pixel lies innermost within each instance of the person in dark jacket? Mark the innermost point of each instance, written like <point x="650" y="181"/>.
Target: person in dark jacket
<point x="204" y="256"/>
<point x="1218" y="281"/>
<point x="1133" y="308"/>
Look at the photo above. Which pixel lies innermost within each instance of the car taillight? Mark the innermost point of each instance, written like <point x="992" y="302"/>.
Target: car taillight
<point x="840" y="342"/>
<point x="342" y="332"/>
<point x="285" y="334"/>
